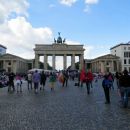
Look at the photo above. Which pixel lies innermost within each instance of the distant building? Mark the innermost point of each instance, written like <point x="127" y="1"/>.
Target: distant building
<point x="123" y="51"/>
<point x="16" y="64"/>
<point x="2" y="49"/>
<point x="103" y="64"/>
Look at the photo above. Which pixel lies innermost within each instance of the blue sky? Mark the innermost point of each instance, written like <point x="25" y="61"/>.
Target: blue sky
<point x="97" y="24"/>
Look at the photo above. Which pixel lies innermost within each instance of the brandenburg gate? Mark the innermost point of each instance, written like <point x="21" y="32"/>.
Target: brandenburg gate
<point x="59" y="48"/>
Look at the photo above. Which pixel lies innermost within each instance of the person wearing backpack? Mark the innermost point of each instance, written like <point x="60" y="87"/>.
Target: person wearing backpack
<point x="106" y="88"/>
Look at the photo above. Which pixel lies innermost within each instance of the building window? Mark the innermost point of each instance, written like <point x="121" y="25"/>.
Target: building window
<point x="124" y="48"/>
<point x="107" y="63"/>
<point x="115" y="50"/>
<point x="126" y="54"/>
<point x="9" y="63"/>
<point x="128" y="48"/>
<point x="124" y="61"/>
<point x="129" y="54"/>
<point x="129" y="61"/>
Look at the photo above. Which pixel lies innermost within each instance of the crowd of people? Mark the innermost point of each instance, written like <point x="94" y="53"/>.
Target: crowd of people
<point x="123" y="86"/>
<point x="37" y="81"/>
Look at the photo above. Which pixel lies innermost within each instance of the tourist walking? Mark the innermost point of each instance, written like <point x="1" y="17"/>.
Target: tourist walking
<point x="90" y="77"/>
<point x="124" y="83"/>
<point x="18" y="83"/>
<point x="29" y="80"/>
<point x="117" y="76"/>
<point x="82" y="77"/>
<point x="106" y="88"/>
<point x="65" y="76"/>
<point x="42" y="80"/>
<point x="111" y="79"/>
<point x="61" y="77"/>
<point x="36" y="81"/>
<point x="52" y="80"/>
<point x="11" y="82"/>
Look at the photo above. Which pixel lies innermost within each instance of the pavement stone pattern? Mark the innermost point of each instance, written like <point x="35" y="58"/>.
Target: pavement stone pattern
<point x="65" y="108"/>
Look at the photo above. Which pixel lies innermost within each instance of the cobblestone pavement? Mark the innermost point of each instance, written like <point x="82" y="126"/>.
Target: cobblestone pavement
<point x="66" y="108"/>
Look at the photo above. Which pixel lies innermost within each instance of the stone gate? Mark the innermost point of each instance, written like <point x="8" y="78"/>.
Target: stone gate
<point x="58" y="48"/>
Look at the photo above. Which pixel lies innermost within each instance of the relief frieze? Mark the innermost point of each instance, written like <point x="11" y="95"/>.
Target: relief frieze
<point x="59" y="46"/>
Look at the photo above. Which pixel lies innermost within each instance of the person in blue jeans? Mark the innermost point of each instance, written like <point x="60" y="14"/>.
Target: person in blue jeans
<point x="106" y="88"/>
<point x="124" y="82"/>
<point x="36" y="81"/>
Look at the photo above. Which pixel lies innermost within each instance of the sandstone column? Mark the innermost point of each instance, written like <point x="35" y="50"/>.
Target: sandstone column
<point x="36" y="61"/>
<point x="65" y="62"/>
<point x="12" y="66"/>
<point x="45" y="61"/>
<point x="53" y="61"/>
<point x="73" y="61"/>
<point x="81" y="59"/>
<point x="118" y="66"/>
<point x="112" y="68"/>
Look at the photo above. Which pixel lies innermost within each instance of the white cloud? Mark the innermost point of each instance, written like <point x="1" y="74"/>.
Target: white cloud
<point x="19" y="36"/>
<point x="87" y="9"/>
<point x="68" y="2"/>
<point x="12" y="8"/>
<point x="91" y="1"/>
<point x="88" y="3"/>
<point x="92" y="52"/>
<point x="87" y="53"/>
<point x="16" y="33"/>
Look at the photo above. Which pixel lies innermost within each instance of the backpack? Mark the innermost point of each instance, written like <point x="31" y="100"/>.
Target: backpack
<point x="106" y="83"/>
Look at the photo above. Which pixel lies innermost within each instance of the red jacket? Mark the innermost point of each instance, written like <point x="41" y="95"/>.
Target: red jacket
<point x="83" y="75"/>
<point x="89" y="76"/>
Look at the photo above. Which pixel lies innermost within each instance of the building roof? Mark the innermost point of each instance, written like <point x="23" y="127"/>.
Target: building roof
<point x="11" y="56"/>
<point x="107" y="56"/>
<point x="3" y="46"/>
<point x="120" y="45"/>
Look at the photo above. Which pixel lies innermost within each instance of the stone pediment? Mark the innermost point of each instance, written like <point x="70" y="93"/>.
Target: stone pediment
<point x="108" y="56"/>
<point x="9" y="56"/>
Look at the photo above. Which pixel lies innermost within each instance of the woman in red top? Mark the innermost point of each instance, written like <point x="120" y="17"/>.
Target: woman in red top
<point x="90" y="77"/>
<point x="86" y="78"/>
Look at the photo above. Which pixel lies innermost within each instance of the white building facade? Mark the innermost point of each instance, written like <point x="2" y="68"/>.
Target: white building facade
<point x="123" y="51"/>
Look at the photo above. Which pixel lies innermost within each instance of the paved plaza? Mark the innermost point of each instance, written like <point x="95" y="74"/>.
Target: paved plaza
<point x="66" y="108"/>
